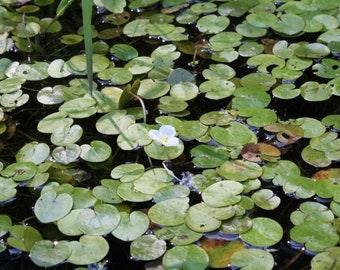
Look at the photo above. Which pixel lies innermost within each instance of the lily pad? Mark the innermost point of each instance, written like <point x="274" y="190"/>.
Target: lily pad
<point x="127" y="172"/>
<point x="152" y="180"/>
<point x="212" y="24"/>
<point x="128" y="192"/>
<point x="147" y="248"/>
<point x="107" y="191"/>
<point x="314" y="157"/>
<point x="235" y="134"/>
<point x="236" y="225"/>
<point x="258" y="234"/>
<point x="223" y="193"/>
<point x="103" y="219"/>
<point x="203" y="218"/>
<point x="66" y="154"/>
<point x="169" y="212"/>
<point x="326" y="259"/>
<point x="316" y="235"/>
<point x="124" y="52"/>
<point x="20" y="171"/>
<point x="131" y="225"/>
<point x="34" y="152"/>
<point x="45" y="253"/>
<point x="239" y="170"/>
<point x="158" y="151"/>
<point x="134" y="136"/>
<point x="68" y="224"/>
<point x="23" y="237"/>
<point x="52" y="207"/>
<point x="207" y="156"/>
<point x="266" y="199"/>
<point x="289" y="24"/>
<point x="5" y="224"/>
<point x="309" y="211"/>
<point x="50" y="96"/>
<point x="190" y="257"/>
<point x="89" y="249"/>
<point x="114" y="122"/>
<point x="253" y="259"/>
<point x="312" y="50"/>
<point x="97" y="151"/>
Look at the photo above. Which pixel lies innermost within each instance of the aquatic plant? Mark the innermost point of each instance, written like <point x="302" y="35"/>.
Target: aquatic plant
<point x="211" y="126"/>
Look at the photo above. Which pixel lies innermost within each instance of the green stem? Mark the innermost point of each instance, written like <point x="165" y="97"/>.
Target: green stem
<point x="87" y="19"/>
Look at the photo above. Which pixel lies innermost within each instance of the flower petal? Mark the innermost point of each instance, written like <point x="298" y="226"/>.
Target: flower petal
<point x="167" y="130"/>
<point x="154" y="134"/>
<point x="172" y="141"/>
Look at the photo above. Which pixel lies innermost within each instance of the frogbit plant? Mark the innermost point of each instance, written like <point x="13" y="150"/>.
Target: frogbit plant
<point x="166" y="135"/>
<point x="202" y="134"/>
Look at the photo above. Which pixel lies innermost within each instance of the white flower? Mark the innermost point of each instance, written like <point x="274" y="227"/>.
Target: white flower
<point x="165" y="135"/>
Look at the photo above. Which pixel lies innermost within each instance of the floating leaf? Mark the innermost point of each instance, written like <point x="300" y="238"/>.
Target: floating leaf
<point x="212" y="24"/>
<point x="128" y="192"/>
<point x="127" y="172"/>
<point x="258" y="234"/>
<point x="206" y="156"/>
<point x="134" y="136"/>
<point x="253" y="259"/>
<point x="235" y="134"/>
<point x="309" y="211"/>
<point x="266" y="199"/>
<point x="236" y="225"/>
<point x="50" y="96"/>
<point x="107" y="192"/>
<point x="169" y="212"/>
<point x="314" y="157"/>
<point x="114" y="122"/>
<point x="316" y="235"/>
<point x="97" y="151"/>
<point x="52" y="207"/>
<point x="103" y="219"/>
<point x="203" y="218"/>
<point x="158" y="151"/>
<point x="147" y="248"/>
<point x="89" y="249"/>
<point x="223" y="193"/>
<point x="326" y="259"/>
<point x="239" y="170"/>
<point x="312" y="50"/>
<point x="8" y="189"/>
<point x="34" y="152"/>
<point x="124" y="52"/>
<point x="20" y="171"/>
<point x="190" y="257"/>
<point x="23" y="237"/>
<point x="5" y="224"/>
<point x="131" y="226"/>
<point x="289" y="24"/>
<point x="45" y="253"/>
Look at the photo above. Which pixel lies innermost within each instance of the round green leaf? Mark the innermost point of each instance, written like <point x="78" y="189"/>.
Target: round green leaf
<point x="207" y="156"/>
<point x="223" y="193"/>
<point x="107" y="191"/>
<point x="152" y="180"/>
<point x="50" y="96"/>
<point x="23" y="237"/>
<point x="327" y="259"/>
<point x="8" y="189"/>
<point x="203" y="218"/>
<point x="289" y="24"/>
<point x="212" y="24"/>
<point x="236" y="225"/>
<point x="116" y="75"/>
<point x="236" y="134"/>
<point x="68" y="225"/>
<point x="89" y="249"/>
<point x="266" y="199"/>
<point x="128" y="192"/>
<point x="150" y="89"/>
<point x="45" y="253"/>
<point x="170" y="212"/>
<point x="5" y="224"/>
<point x="124" y="52"/>
<point x="97" y="151"/>
<point x="147" y="247"/>
<point x="253" y="259"/>
<point x="316" y="235"/>
<point x="190" y="257"/>
<point x="127" y="172"/>
<point x="34" y="152"/>
<point x="217" y="89"/>
<point x="82" y="107"/>
<point x="309" y="211"/>
<point x="239" y="170"/>
<point x="66" y="154"/>
<point x="131" y="226"/>
<point x="66" y="135"/>
<point x="20" y="171"/>
<point x="52" y="207"/>
<point x="258" y="235"/>
<point x="114" y="122"/>
<point x="158" y="151"/>
<point x="103" y="219"/>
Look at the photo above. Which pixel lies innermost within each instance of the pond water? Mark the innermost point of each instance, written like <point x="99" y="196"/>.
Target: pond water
<point x="247" y="92"/>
